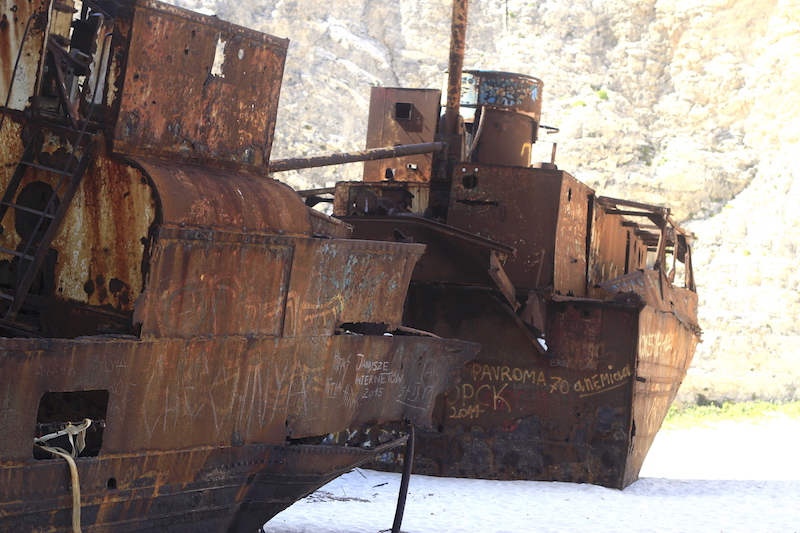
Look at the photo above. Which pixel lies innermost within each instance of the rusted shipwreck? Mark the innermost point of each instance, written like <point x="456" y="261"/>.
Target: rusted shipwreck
<point x="182" y="337"/>
<point x="586" y="334"/>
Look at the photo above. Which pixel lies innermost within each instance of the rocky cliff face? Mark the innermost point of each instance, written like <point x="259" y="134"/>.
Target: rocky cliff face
<point x="687" y="103"/>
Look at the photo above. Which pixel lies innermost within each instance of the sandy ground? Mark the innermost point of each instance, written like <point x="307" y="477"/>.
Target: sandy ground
<point x="732" y="477"/>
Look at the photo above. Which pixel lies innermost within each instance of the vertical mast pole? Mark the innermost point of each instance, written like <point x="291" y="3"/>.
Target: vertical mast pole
<point x="457" y="44"/>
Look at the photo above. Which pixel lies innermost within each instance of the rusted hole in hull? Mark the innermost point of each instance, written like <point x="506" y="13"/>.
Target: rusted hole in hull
<point x="57" y="409"/>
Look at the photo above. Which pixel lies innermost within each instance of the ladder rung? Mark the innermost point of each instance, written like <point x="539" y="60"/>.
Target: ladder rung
<point x="14" y="252"/>
<point x="48" y="169"/>
<point x="28" y="209"/>
<point x="5" y="296"/>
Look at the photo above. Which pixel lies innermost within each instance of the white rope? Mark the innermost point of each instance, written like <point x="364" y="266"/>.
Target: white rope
<point x="70" y="431"/>
<point x="74" y="433"/>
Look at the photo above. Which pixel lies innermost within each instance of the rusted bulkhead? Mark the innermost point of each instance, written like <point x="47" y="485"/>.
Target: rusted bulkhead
<point x="213" y="329"/>
<point x="586" y="334"/>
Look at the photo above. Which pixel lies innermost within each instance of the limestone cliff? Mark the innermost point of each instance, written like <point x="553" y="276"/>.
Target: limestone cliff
<point x="688" y="103"/>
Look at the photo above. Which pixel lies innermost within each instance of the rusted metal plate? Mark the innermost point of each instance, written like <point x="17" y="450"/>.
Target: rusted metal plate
<point x="169" y="490"/>
<point x="452" y="255"/>
<point x="520" y="415"/>
<point x="504" y="139"/>
<point x="203" y="283"/>
<point x="614" y="251"/>
<point x="541" y="213"/>
<point x="571" y="239"/>
<point x="96" y="258"/>
<point x="220" y="391"/>
<point x="195" y="86"/>
<point x="173" y="400"/>
<point x="229" y="200"/>
<point x="370" y="380"/>
<point x="102" y="242"/>
<point x="666" y="347"/>
<point x="652" y="287"/>
<point x="398" y="117"/>
<point x="22" y="35"/>
<point x="347" y="282"/>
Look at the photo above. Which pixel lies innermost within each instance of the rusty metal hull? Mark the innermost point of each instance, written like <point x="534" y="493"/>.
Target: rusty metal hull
<point x="196" y="431"/>
<point x="586" y="408"/>
<point x="239" y="335"/>
<point x="587" y="411"/>
<point x="235" y="488"/>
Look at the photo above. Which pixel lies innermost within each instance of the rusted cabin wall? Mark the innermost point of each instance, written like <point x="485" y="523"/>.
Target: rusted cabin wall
<point x="102" y="244"/>
<point x="234" y="284"/>
<point x="195" y="86"/>
<point x="490" y="201"/>
<point x="611" y="242"/>
<point x="16" y="15"/>
<point x="206" y="282"/>
<point x="97" y="255"/>
<point x="571" y="239"/>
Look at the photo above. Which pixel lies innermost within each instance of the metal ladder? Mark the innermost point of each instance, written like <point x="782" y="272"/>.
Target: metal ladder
<point x="34" y="251"/>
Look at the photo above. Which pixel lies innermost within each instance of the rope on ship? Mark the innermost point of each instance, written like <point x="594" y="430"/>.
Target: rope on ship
<point x="77" y="439"/>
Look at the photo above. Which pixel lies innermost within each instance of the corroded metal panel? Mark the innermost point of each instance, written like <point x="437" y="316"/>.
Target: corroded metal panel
<point x="195" y="86"/>
<point x="451" y="255"/>
<point x="518" y="414"/>
<point x="666" y="347"/>
<point x="609" y="252"/>
<point x="652" y="287"/>
<point x="228" y="200"/>
<point x="541" y="213"/>
<point x="518" y="207"/>
<point x="23" y="27"/>
<point x="167" y="490"/>
<point x="571" y="239"/>
<point x="222" y="391"/>
<point x="363" y="380"/>
<point x="399" y="117"/>
<point x="246" y="284"/>
<point x="96" y="258"/>
<point x="215" y="283"/>
<point x="347" y="281"/>
<point x="102" y="243"/>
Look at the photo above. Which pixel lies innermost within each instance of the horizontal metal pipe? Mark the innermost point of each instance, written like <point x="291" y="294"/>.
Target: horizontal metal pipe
<point x="282" y="165"/>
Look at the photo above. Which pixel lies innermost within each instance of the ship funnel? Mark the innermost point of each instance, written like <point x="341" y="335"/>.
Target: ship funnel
<point x="502" y="113"/>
